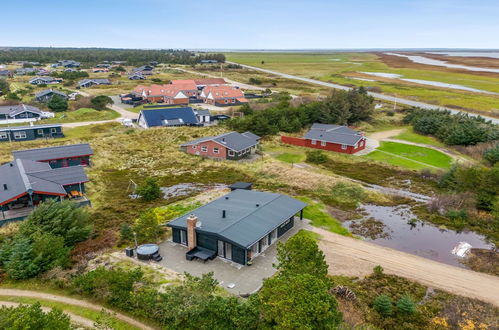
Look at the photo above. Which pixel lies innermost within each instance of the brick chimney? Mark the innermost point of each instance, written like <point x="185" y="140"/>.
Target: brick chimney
<point x="191" y="231"/>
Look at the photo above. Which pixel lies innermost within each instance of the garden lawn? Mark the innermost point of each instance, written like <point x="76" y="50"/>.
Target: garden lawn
<point x="410" y="156"/>
<point x="316" y="212"/>
<point x="411" y="136"/>
<point x="81" y="115"/>
<point x="291" y="158"/>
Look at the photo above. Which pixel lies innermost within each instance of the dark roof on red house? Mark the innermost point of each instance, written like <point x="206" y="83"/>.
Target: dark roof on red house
<point x="334" y="134"/>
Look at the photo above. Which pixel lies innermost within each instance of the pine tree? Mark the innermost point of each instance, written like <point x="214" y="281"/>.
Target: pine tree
<point x="406" y="306"/>
<point x="383" y="305"/>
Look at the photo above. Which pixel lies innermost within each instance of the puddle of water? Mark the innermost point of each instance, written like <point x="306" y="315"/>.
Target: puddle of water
<point x="468" y="54"/>
<point x="383" y="75"/>
<point x="430" y="61"/>
<point x="363" y="79"/>
<point x="419" y="238"/>
<point x="184" y="189"/>
<point x="424" y="82"/>
<point x="453" y="86"/>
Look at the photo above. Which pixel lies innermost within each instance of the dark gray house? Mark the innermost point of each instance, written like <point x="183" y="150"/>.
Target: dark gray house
<point x="19" y="112"/>
<point x="91" y="82"/>
<point x="47" y="94"/>
<point x="27" y="133"/>
<point x="6" y="73"/>
<point x="25" y="183"/>
<point x="60" y="156"/>
<point x="143" y="70"/>
<point x="238" y="226"/>
<point x="45" y="80"/>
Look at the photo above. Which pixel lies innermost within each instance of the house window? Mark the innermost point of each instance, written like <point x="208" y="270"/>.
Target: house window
<point x="194" y="147"/>
<point x="314" y="141"/>
<point x="231" y="153"/>
<point x="40" y="131"/>
<point x="323" y="143"/>
<point x="204" y="149"/>
<point x="343" y="146"/>
<point x="53" y="130"/>
<point x="215" y="150"/>
<point x="3" y="135"/>
<point x="226" y="101"/>
<point x="20" y="135"/>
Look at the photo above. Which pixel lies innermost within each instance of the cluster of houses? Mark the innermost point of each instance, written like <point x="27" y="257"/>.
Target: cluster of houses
<point x="37" y="175"/>
<point x="66" y="64"/>
<point x="214" y="91"/>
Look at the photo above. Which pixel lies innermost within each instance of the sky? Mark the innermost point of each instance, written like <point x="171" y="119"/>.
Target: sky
<point x="253" y="24"/>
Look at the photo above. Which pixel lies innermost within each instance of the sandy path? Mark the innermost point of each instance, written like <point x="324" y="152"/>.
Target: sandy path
<point x="74" y="318"/>
<point x="354" y="257"/>
<point x="71" y="301"/>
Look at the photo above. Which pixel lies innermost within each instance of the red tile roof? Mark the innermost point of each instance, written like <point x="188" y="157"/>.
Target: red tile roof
<point x="160" y="90"/>
<point x="221" y="92"/>
<point x="210" y="81"/>
<point x="185" y="83"/>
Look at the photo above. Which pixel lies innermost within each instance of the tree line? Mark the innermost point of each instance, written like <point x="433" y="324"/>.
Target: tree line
<point x="452" y="129"/>
<point x="92" y="56"/>
<point x="341" y="107"/>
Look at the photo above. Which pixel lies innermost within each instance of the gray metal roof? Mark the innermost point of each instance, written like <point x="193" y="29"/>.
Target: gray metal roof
<point x="250" y="215"/>
<point x="334" y="134"/>
<point x="232" y="140"/>
<point x="13" y="110"/>
<point x="251" y="135"/>
<point x="202" y="112"/>
<point x="25" y="176"/>
<point x="22" y="128"/>
<point x="50" y="91"/>
<point x="66" y="151"/>
<point x="96" y="81"/>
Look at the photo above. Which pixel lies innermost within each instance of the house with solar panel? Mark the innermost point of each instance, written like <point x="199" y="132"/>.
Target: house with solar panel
<point x="228" y="146"/>
<point x="330" y="138"/>
<point x="168" y="117"/>
<point x="238" y="226"/>
<point x="37" y="175"/>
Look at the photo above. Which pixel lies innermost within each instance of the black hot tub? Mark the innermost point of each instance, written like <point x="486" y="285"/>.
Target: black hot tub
<point x="148" y="252"/>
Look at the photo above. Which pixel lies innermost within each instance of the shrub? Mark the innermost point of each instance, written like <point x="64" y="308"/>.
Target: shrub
<point x="101" y="102"/>
<point x="126" y="232"/>
<point x="492" y="155"/>
<point x="378" y="270"/>
<point x="57" y="103"/>
<point x="383" y="305"/>
<point x="406" y="306"/>
<point x="149" y="190"/>
<point x="147" y="227"/>
<point x="254" y="81"/>
<point x="33" y="317"/>
<point x="316" y="157"/>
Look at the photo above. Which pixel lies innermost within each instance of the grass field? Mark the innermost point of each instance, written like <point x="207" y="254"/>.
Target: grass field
<point x="80" y="115"/>
<point x="410" y="156"/>
<point x="291" y="158"/>
<point x="342" y="68"/>
<point x="411" y="136"/>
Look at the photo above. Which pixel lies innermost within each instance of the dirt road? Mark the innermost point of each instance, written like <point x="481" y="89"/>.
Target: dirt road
<point x="354" y="257"/>
<point x="74" y="318"/>
<point x="71" y="301"/>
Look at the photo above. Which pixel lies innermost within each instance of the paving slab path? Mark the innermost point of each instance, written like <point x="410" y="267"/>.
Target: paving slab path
<point x="71" y="301"/>
<point x="354" y="257"/>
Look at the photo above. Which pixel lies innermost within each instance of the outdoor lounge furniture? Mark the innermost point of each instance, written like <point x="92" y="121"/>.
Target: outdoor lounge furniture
<point x="200" y="253"/>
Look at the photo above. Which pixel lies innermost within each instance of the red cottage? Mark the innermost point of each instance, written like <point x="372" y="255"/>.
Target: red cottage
<point x="331" y="138"/>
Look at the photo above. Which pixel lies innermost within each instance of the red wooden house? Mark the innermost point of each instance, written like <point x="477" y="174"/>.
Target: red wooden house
<point x="330" y="138"/>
